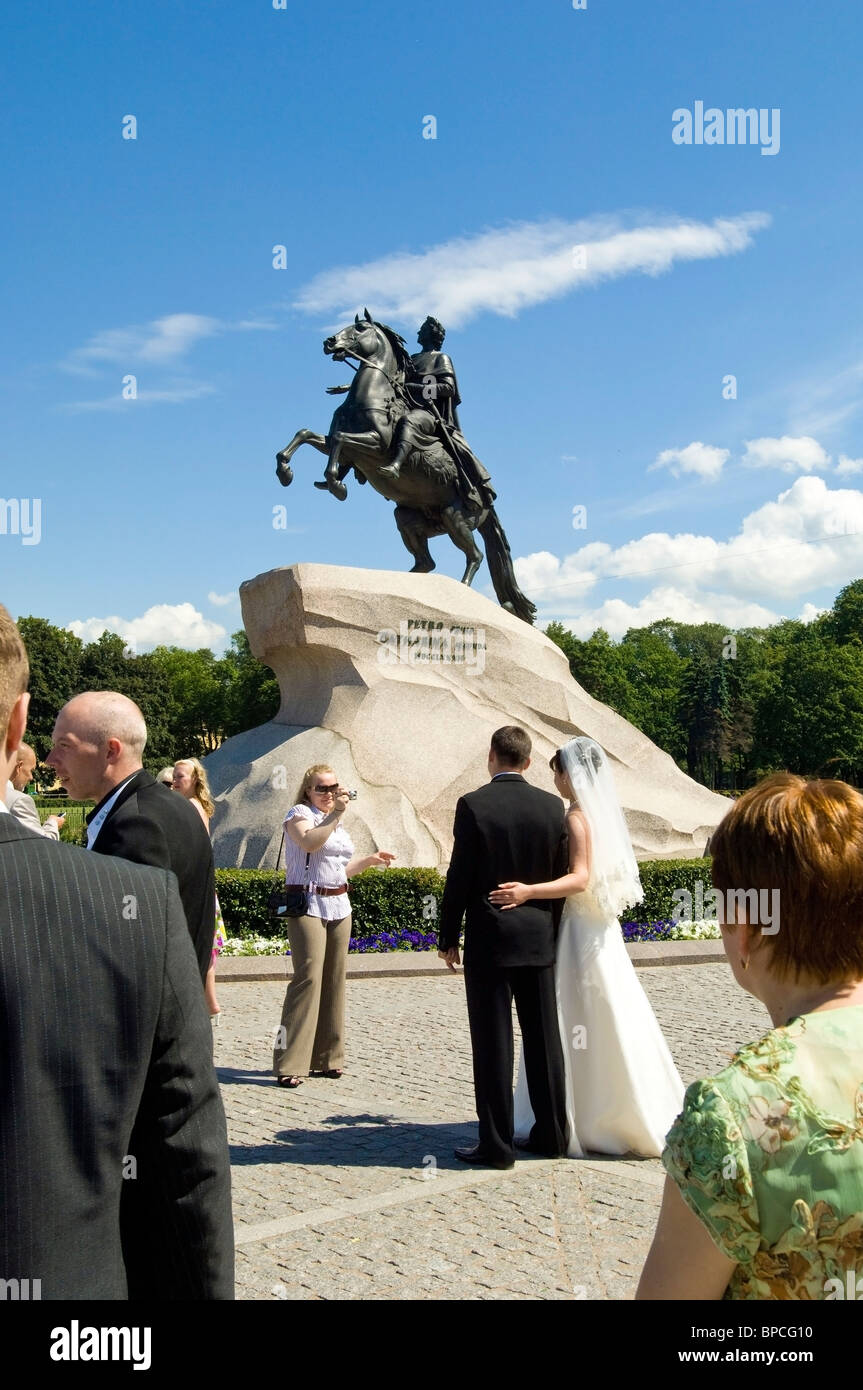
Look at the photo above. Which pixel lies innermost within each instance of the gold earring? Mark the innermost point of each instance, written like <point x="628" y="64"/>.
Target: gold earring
<point x="744" y="964"/>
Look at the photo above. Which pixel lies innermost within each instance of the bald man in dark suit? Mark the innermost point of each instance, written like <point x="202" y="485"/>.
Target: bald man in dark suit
<point x="98" y="743"/>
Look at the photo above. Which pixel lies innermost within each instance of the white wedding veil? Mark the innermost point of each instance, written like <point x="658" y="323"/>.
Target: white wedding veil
<point x="615" y="880"/>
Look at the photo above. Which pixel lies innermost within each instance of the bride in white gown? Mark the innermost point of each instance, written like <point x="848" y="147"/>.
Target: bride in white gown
<point x="623" y="1091"/>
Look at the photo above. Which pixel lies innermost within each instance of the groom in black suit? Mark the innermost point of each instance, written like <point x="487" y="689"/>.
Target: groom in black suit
<point x="508" y="831"/>
<point x="98" y="741"/>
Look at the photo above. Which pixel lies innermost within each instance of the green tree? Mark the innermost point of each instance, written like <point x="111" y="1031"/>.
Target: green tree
<point x="597" y="664"/>
<point x="722" y="674"/>
<point x="655" y="671"/>
<point x="252" y="694"/>
<point x="696" y="715"/>
<point x="845" y="622"/>
<point x="811" y="720"/>
<point x="197" y="684"/>
<point x="563" y="638"/>
<point x="55" y="664"/>
<point x="107" y="664"/>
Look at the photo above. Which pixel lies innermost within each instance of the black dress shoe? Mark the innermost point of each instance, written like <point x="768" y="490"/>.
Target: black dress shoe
<point x="527" y="1147"/>
<point x="481" y="1159"/>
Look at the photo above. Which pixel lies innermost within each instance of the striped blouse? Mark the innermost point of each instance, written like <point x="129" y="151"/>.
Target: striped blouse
<point x="326" y="865"/>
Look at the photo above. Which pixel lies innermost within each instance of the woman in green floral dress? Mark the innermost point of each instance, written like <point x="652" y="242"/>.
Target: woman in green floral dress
<point x="764" y="1193"/>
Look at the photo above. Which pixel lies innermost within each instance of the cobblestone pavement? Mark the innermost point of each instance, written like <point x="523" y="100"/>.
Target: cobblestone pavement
<point x="349" y="1189"/>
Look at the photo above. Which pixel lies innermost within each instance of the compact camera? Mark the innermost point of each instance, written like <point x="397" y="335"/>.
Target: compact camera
<point x="352" y="796"/>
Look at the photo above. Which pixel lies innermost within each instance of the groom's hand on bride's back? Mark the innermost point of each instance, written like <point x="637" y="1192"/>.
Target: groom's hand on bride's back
<point x="451" y="957"/>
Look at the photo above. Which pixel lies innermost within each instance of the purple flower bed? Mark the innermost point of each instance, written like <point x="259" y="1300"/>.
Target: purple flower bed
<point x="395" y="941"/>
<point x="647" y="931"/>
<point x="427" y="941"/>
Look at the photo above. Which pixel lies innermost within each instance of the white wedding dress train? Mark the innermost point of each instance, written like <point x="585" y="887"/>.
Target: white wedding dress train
<point x="623" y="1091"/>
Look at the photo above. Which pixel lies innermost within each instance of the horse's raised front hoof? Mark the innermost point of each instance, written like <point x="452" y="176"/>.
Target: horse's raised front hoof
<point x="338" y="489"/>
<point x="284" y="471"/>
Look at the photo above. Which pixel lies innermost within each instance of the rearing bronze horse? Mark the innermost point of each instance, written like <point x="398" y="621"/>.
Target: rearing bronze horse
<point x="431" y="495"/>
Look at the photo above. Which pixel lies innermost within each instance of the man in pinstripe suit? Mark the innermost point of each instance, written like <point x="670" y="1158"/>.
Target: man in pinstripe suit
<point x="114" y="1168"/>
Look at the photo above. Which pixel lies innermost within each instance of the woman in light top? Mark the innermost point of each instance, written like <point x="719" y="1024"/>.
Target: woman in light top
<point x="764" y="1193"/>
<point x="311" y="1035"/>
<point x="190" y="780"/>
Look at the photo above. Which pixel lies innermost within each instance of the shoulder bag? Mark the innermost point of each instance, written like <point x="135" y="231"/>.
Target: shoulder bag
<point x="289" y="902"/>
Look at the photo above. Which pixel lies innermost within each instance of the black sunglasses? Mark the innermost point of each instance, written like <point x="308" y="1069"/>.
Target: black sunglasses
<point x="332" y="787"/>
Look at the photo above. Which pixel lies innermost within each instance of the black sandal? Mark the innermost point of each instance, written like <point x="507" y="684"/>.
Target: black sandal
<point x="332" y="1075"/>
<point x="289" y="1082"/>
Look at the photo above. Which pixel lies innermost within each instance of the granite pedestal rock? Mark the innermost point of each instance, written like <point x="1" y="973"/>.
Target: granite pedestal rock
<point x="404" y="716"/>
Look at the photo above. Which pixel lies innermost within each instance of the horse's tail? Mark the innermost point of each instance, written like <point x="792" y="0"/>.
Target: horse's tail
<point x="497" y="552"/>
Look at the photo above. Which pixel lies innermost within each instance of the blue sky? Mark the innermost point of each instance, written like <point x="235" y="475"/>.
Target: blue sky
<point x="599" y="387"/>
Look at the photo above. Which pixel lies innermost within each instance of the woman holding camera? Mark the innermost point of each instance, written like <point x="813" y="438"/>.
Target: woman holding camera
<point x="311" y="1035"/>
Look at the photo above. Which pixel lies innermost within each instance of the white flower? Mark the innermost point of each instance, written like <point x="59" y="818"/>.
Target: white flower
<point x="769" y="1124"/>
<point x="704" y="930"/>
<point x="255" y="946"/>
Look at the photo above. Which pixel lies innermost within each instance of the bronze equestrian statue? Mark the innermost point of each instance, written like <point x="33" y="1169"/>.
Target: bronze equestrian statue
<point x="398" y="429"/>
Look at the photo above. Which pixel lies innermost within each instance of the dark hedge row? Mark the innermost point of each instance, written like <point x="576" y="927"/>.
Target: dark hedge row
<point x="398" y="899"/>
<point x="660" y="878"/>
<point x="61" y="802"/>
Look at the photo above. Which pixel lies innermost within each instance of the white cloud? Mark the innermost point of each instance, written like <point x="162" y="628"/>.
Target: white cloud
<point x="784" y="550"/>
<point x="823" y="403"/>
<point x="703" y="459"/>
<point x="847" y="466"/>
<point x="165" y="624"/>
<point x="161" y="341"/>
<point x="809" y="611"/>
<point x="169" y="395"/>
<point x="789" y="453"/>
<point x="507" y="269"/>
<point x="222" y="600"/>
<point x="572" y="577"/>
<point x="667" y="601"/>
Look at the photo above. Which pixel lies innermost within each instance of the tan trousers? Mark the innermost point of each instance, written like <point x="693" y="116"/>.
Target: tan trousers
<point x="311" y="1034"/>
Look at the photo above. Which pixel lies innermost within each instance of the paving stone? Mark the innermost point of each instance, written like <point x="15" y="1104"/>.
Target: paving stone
<point x="359" y="1174"/>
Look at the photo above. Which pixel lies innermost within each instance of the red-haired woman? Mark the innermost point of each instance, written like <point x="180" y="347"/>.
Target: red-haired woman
<point x="764" y="1193"/>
